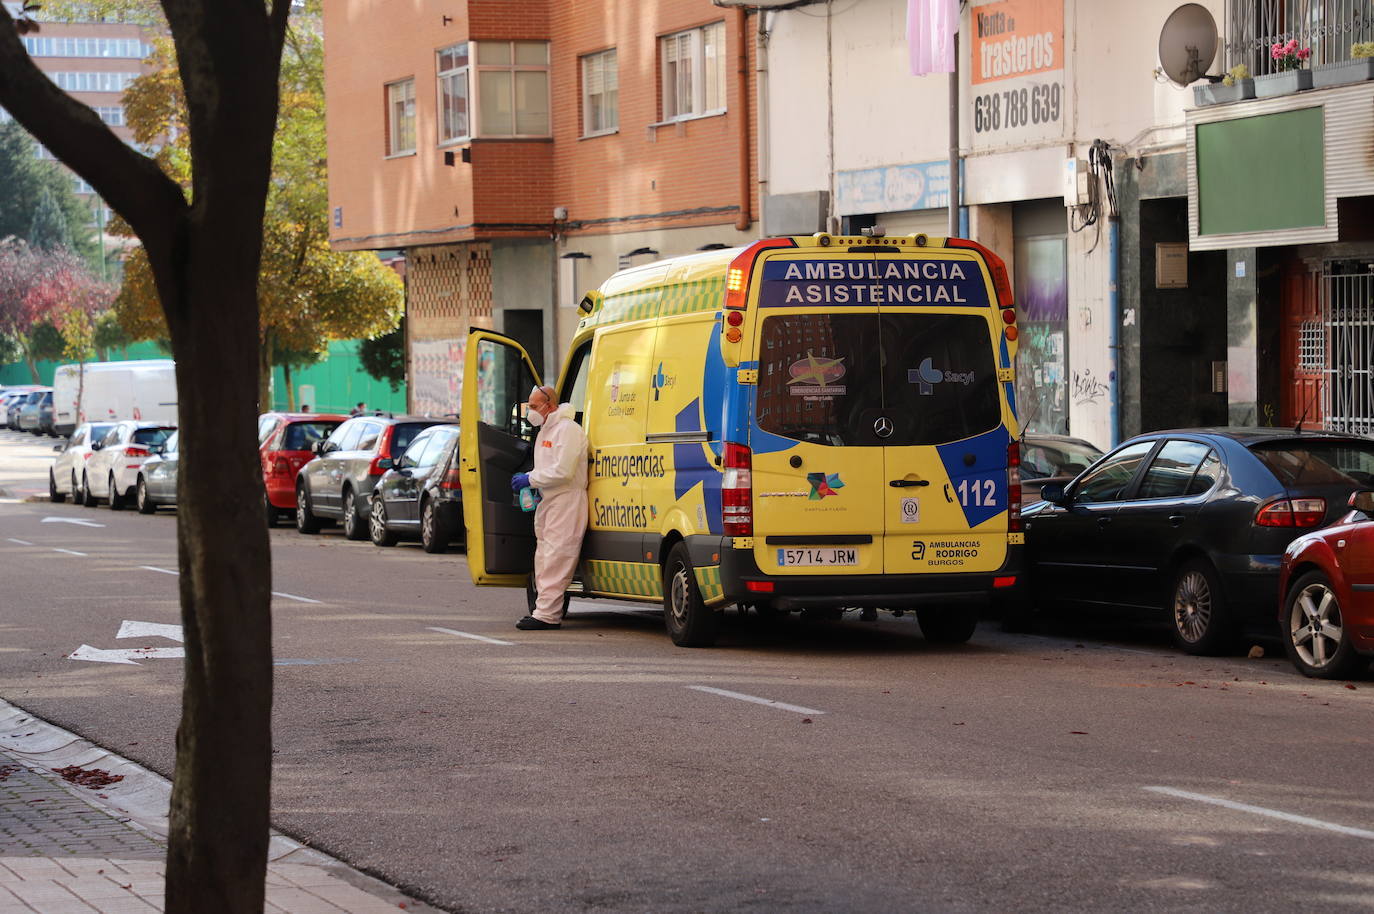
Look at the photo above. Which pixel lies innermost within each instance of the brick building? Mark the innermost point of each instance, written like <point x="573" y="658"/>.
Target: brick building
<point x="521" y="151"/>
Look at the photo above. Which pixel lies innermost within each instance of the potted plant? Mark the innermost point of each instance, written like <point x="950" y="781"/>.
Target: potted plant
<point x="1290" y="75"/>
<point x="1235" y="86"/>
<point x="1358" y="68"/>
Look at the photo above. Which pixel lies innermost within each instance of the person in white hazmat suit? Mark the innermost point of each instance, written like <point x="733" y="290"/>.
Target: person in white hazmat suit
<point x="560" y="519"/>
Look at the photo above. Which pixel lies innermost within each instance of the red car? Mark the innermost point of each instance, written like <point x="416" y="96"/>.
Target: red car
<point x="1327" y="616"/>
<point x="284" y="445"/>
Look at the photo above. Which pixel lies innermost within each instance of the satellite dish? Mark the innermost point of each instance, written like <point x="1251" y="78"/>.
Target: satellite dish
<point x="1188" y="43"/>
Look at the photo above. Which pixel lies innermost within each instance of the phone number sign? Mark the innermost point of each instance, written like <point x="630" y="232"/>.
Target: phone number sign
<point x="1016" y="72"/>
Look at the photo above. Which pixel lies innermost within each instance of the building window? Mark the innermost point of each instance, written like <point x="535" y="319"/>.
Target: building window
<point x="693" y="72"/>
<point x="112" y="115"/>
<point x="600" y="93"/>
<point x="453" y="94"/>
<point x="512" y="88"/>
<point x="92" y="81"/>
<point x="129" y="48"/>
<point x="400" y="117"/>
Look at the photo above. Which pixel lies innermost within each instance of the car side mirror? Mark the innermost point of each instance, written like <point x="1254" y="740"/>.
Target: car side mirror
<point x="158" y="449"/>
<point x="386" y="463"/>
<point x="1362" y="501"/>
<point x="1053" y="492"/>
<point x="59" y="448"/>
<point x="96" y="445"/>
<point x="318" y="448"/>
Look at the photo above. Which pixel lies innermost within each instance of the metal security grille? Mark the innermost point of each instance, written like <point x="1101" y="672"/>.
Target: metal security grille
<point x="1348" y="315"/>
<point x="1312" y="346"/>
<point x="1328" y="27"/>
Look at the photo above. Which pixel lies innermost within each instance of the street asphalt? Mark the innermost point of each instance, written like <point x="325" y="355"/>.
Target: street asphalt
<point x="810" y="766"/>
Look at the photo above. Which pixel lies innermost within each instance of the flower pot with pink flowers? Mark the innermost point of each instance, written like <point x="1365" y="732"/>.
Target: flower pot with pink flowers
<point x="1290" y="64"/>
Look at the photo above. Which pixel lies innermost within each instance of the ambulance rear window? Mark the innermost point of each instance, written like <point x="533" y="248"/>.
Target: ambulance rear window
<point x="830" y="378"/>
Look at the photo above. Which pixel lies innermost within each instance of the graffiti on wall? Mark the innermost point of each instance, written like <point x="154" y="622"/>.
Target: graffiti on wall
<point x="436" y="376"/>
<point x="1087" y="387"/>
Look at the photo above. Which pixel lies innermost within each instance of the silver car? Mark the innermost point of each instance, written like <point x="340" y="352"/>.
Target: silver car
<point x="157" y="478"/>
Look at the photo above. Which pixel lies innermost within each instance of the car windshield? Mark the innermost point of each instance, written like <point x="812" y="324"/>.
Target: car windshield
<point x="1041" y="458"/>
<point x="1309" y="462"/>
<point x="151" y="435"/>
<point x="828" y="378"/>
<point x="301" y="435"/>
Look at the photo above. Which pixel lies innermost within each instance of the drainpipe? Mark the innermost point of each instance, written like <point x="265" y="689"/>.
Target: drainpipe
<point x="741" y="29"/>
<point x="761" y="105"/>
<point x="1114" y="325"/>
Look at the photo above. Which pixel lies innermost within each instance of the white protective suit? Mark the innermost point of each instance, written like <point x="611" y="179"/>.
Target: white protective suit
<point x="560" y="520"/>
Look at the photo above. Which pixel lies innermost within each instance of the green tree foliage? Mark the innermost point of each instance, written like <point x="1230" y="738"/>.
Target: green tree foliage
<point x="23" y="180"/>
<point x="384" y="357"/>
<point x="108" y="333"/>
<point x="49" y="229"/>
<point x="307" y="293"/>
<point x="46" y="342"/>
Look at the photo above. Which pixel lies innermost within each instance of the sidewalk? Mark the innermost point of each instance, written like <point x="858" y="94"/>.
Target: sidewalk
<point x="66" y="848"/>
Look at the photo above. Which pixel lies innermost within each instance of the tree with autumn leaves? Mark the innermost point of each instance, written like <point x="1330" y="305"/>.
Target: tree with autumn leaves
<point x="307" y="294"/>
<point x="48" y="299"/>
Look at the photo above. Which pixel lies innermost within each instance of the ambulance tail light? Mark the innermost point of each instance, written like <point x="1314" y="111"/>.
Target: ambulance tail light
<point x="1014" y="487"/>
<point x="736" y="491"/>
<point x="1000" y="280"/>
<point x="742" y="268"/>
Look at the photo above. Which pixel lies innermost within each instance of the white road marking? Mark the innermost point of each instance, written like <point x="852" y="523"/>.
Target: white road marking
<point x="449" y="631"/>
<point x="69" y="551"/>
<point x="1262" y="811"/>
<point x="131" y="629"/>
<point x="20" y="542"/>
<point x="768" y="702"/>
<point x="126" y="655"/>
<point x="291" y="596"/>
<point x="70" y="520"/>
<point x="159" y="570"/>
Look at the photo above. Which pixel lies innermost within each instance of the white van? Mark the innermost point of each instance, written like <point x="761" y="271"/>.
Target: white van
<point x="104" y="391"/>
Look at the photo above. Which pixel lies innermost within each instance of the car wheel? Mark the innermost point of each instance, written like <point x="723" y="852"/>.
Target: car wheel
<point x="1197" y="610"/>
<point x="690" y="622"/>
<point x="434" y="533"/>
<point x="532" y="596"/>
<point x="53" y="494"/>
<point x="269" y="510"/>
<point x="376" y="524"/>
<point x="87" y="498"/>
<point x="946" y="626"/>
<point x="306" y="521"/>
<point x="116" y="499"/>
<point x="145" y="504"/>
<point x="352" y="524"/>
<point x="1315" y="635"/>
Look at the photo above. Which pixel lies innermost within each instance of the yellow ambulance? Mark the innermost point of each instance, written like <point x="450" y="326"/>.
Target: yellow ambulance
<point x="807" y="422"/>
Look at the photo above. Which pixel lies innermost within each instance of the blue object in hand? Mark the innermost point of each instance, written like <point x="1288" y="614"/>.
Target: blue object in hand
<point x="519" y="481"/>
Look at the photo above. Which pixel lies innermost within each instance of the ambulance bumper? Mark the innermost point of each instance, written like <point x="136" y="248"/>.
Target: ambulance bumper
<point x="738" y="571"/>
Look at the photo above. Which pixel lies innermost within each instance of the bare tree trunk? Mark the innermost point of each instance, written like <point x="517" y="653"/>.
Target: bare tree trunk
<point x="290" y="390"/>
<point x="32" y="362"/>
<point x="205" y="257"/>
<point x="265" y="352"/>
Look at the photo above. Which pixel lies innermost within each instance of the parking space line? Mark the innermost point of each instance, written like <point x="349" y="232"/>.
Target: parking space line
<point x="292" y="596"/>
<point x="20" y="542"/>
<point x="767" y="702"/>
<point x="449" y="631"/>
<point x="69" y="551"/>
<point x="159" y="570"/>
<point x="1262" y="811"/>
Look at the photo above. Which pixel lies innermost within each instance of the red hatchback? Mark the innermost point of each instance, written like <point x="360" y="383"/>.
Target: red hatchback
<point x="1327" y="616"/>
<point x="284" y="445"/>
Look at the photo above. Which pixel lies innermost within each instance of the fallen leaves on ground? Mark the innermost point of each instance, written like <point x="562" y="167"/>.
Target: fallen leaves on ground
<point x="93" y="778"/>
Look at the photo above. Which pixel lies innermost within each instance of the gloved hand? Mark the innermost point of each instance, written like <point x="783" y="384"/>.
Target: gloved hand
<point x="519" y="481"/>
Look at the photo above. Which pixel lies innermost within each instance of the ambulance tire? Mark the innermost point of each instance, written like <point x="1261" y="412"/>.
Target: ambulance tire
<point x="946" y="626"/>
<point x="690" y="622"/>
<point x="532" y="595"/>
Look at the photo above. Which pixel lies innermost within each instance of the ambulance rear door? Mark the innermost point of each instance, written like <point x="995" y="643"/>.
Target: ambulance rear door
<point x="495" y="443"/>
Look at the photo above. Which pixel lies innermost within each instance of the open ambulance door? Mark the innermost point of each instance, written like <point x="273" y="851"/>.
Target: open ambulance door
<point x="495" y="443"/>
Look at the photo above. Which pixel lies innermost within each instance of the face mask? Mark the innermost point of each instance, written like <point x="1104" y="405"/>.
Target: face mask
<point x="535" y="418"/>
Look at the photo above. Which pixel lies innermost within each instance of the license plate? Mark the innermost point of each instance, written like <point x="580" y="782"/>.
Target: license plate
<point x="813" y="557"/>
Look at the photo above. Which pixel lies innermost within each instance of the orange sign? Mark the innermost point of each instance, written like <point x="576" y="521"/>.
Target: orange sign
<point x="1016" y="38"/>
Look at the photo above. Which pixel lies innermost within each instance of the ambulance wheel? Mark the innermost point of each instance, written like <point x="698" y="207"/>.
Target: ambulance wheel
<point x="690" y="622"/>
<point x="946" y="626"/>
<point x="532" y="595"/>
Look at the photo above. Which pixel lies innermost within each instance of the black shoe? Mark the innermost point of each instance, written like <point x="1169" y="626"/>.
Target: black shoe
<point x="531" y="624"/>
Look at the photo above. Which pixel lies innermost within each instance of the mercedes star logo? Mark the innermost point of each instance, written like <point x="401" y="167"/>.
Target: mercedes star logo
<point x="883" y="427"/>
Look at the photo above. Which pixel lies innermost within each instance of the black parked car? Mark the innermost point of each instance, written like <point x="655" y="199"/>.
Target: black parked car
<point x="1192" y="522"/>
<point x="421" y="493"/>
<point x="338" y="483"/>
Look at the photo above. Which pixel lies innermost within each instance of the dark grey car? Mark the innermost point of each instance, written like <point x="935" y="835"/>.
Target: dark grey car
<point x="1192" y="522"/>
<point x="157" y="478"/>
<point x="337" y="484"/>
<point x="421" y="495"/>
